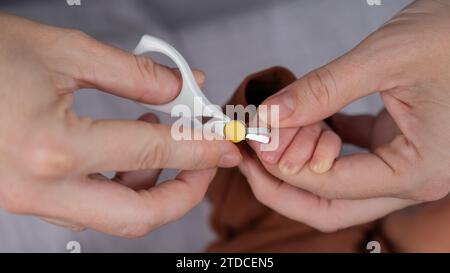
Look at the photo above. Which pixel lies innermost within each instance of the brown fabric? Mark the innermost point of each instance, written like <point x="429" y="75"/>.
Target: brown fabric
<point x="245" y="225"/>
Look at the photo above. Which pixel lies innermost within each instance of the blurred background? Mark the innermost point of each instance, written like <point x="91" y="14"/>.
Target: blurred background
<point x="228" y="40"/>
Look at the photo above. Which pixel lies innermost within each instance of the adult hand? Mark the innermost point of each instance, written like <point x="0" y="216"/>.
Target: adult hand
<point x="50" y="158"/>
<point x="313" y="149"/>
<point x="408" y="61"/>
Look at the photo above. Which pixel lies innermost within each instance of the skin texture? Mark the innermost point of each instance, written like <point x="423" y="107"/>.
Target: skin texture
<point x="408" y="61"/>
<point x="50" y="158"/>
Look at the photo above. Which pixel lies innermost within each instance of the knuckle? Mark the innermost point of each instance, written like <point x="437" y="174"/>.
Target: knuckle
<point x="145" y="66"/>
<point x="80" y="39"/>
<point x="156" y="82"/>
<point x="153" y="155"/>
<point x="146" y="72"/>
<point x="401" y="156"/>
<point x="321" y="88"/>
<point x="80" y="36"/>
<point x="200" y="156"/>
<point x="406" y="150"/>
<point x="84" y="47"/>
<point x="47" y="160"/>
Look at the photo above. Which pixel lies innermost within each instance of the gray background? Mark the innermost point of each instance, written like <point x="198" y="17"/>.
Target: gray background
<point x="227" y="39"/>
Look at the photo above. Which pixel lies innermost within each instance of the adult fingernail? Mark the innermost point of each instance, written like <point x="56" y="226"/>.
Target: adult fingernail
<point x="149" y="117"/>
<point x="286" y="104"/>
<point x="288" y="167"/>
<point x="230" y="160"/>
<point x="200" y="77"/>
<point x="319" y="166"/>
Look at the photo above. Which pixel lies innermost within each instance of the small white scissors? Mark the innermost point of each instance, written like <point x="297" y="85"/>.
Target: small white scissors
<point x="191" y="96"/>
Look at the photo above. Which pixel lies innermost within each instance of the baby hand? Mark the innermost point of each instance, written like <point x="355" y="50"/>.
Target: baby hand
<point x="315" y="147"/>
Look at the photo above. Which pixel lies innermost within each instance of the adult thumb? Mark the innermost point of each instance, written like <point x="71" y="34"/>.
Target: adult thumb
<point x="97" y="65"/>
<point x="326" y="90"/>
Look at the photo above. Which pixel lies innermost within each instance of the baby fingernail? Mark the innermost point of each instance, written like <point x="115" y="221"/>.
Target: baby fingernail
<point x="319" y="166"/>
<point x="289" y="167"/>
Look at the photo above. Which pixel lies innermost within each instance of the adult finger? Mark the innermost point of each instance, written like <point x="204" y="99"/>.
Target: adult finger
<point x="325" y="91"/>
<point x="115" y="209"/>
<point x="300" y="205"/>
<point x="392" y="166"/>
<point x="96" y="65"/>
<point x="137" y="145"/>
<point x="143" y="179"/>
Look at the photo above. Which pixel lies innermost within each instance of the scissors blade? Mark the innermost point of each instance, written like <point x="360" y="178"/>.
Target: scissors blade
<point x="261" y="135"/>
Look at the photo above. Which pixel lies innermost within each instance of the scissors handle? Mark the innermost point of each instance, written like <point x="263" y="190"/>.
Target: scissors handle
<point x="190" y="94"/>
